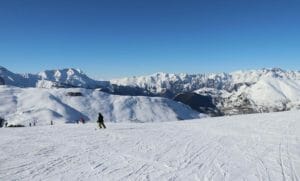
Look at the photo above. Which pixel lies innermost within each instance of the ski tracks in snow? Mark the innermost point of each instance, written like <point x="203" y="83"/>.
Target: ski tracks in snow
<point x="252" y="147"/>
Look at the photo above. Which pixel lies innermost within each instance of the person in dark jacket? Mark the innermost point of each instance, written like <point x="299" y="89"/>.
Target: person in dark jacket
<point x="101" y="121"/>
<point x="1" y="122"/>
<point x="82" y="120"/>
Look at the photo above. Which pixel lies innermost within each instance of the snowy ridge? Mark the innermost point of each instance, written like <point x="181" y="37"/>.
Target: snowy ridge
<point x="190" y="82"/>
<point x="20" y="106"/>
<point x="51" y="78"/>
<point x="19" y="80"/>
<point x="159" y="82"/>
<point x="71" y="77"/>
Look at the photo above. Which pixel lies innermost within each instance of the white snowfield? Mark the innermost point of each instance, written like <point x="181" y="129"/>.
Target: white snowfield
<point x="246" y="147"/>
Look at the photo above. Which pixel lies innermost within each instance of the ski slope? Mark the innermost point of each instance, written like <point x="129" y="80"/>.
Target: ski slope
<point x="245" y="147"/>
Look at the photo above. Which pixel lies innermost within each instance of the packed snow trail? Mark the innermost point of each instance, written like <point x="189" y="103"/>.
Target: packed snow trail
<point x="250" y="147"/>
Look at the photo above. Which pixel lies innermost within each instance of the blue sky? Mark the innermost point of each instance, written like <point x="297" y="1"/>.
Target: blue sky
<point x="116" y="38"/>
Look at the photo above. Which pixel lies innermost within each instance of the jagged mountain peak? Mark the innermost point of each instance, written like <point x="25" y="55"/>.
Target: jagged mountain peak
<point x="177" y="83"/>
<point x="68" y="77"/>
<point x="60" y="72"/>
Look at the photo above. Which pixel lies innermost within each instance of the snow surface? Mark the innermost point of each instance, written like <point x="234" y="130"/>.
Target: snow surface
<point x="248" y="147"/>
<point x="23" y="105"/>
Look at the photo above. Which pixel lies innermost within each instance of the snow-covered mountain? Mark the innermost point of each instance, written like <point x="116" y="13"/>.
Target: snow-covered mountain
<point x="51" y="78"/>
<point x="178" y="83"/>
<point x="20" y="80"/>
<point x="23" y="105"/>
<point x="68" y="78"/>
<point x="239" y="92"/>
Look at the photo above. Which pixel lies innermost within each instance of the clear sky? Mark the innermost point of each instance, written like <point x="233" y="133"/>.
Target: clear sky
<point x="116" y="38"/>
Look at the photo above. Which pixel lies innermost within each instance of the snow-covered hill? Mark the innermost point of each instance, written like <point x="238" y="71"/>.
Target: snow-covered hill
<point x="248" y="147"/>
<point x="23" y="105"/>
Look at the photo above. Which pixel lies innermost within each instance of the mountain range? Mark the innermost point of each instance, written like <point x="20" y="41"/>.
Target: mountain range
<point x="240" y="92"/>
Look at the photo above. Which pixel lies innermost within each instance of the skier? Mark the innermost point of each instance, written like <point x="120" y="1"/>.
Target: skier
<point x="1" y="122"/>
<point x="82" y="120"/>
<point x="101" y="121"/>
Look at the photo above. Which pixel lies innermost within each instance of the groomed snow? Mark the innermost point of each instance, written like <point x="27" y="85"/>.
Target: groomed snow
<point x="249" y="147"/>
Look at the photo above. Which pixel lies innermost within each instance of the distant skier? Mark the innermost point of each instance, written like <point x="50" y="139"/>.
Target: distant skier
<point x="1" y="122"/>
<point x="82" y="120"/>
<point x="101" y="121"/>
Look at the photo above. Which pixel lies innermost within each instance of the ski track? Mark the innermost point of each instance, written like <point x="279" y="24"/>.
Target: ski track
<point x="250" y="147"/>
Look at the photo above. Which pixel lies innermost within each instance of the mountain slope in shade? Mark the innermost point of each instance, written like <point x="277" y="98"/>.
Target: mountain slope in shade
<point x="201" y="103"/>
<point x="20" y="80"/>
